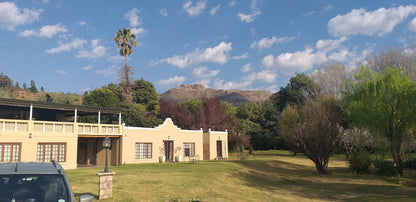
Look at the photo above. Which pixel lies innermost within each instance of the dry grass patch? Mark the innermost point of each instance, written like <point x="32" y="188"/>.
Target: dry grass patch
<point x="265" y="177"/>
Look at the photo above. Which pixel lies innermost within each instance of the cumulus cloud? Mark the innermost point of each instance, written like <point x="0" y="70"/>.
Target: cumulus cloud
<point x="195" y="10"/>
<point x="47" y="31"/>
<point x="360" y="21"/>
<point x="269" y="42"/>
<point x="95" y="52"/>
<point x="138" y="31"/>
<point x="74" y="44"/>
<point x="240" y="57"/>
<point x="324" y="51"/>
<point x="252" y="15"/>
<point x="11" y="16"/>
<point x="173" y="81"/>
<point x="132" y="17"/>
<point x="412" y="25"/>
<point x="267" y="76"/>
<point x="202" y="72"/>
<point x="246" y="68"/>
<point x="164" y="12"/>
<point x="214" y="9"/>
<point x="82" y="23"/>
<point x="217" y="54"/>
<point x="60" y="71"/>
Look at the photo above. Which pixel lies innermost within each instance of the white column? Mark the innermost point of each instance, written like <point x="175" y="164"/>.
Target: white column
<point x="75" y="119"/>
<point x="119" y="118"/>
<point x="99" y="117"/>
<point x="31" y="112"/>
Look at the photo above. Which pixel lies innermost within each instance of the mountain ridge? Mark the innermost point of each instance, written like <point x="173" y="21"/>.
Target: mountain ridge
<point x="198" y="91"/>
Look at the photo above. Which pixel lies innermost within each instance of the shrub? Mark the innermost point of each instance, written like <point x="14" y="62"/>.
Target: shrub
<point x="385" y="167"/>
<point x="410" y="164"/>
<point x="250" y="149"/>
<point x="360" y="161"/>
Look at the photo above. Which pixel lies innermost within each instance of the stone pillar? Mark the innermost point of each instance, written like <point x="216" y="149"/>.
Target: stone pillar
<point x="106" y="185"/>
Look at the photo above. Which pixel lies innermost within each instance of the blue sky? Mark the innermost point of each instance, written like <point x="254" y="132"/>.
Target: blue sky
<point x="66" y="46"/>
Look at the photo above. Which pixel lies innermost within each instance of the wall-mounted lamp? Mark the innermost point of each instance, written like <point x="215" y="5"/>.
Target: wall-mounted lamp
<point x="219" y="137"/>
<point x="30" y="135"/>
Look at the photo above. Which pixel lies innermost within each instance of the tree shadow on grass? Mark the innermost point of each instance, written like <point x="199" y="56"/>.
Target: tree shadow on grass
<point x="302" y="181"/>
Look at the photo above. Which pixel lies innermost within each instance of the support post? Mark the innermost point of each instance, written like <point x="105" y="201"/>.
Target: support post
<point x="31" y="112"/>
<point x="99" y="117"/>
<point x="75" y="118"/>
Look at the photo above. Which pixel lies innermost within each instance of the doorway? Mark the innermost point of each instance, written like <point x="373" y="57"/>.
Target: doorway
<point x="219" y="148"/>
<point x="168" y="144"/>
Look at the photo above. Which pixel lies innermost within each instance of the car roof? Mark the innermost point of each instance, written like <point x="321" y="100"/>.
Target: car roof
<point x="30" y="168"/>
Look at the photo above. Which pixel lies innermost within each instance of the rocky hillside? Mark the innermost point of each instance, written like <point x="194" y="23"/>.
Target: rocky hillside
<point x="197" y="91"/>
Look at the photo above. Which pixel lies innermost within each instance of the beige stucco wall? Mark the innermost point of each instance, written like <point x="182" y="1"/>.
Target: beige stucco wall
<point x="156" y="136"/>
<point x="213" y="137"/>
<point x="29" y="145"/>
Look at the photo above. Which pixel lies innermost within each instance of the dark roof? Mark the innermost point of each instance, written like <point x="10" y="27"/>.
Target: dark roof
<point x="56" y="106"/>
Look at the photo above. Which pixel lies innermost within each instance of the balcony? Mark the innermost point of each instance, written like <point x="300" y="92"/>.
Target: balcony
<point x="84" y="129"/>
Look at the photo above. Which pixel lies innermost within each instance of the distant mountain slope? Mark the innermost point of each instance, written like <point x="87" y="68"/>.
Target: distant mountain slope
<point x="198" y="91"/>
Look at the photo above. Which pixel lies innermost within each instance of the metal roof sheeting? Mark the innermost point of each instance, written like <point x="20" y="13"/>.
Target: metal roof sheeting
<point x="56" y="106"/>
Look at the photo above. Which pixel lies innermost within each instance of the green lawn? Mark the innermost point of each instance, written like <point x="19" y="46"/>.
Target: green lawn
<point x="267" y="176"/>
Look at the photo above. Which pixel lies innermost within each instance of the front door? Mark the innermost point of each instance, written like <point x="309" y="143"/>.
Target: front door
<point x="168" y="150"/>
<point x="219" y="148"/>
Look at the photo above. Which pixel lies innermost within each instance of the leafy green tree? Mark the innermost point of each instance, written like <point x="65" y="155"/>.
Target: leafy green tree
<point x="126" y="40"/>
<point x="24" y="86"/>
<point x="299" y="89"/>
<point x="101" y="97"/>
<point x="33" y="88"/>
<point x="145" y="94"/>
<point x="136" y="115"/>
<point x="313" y="129"/>
<point x="5" y="81"/>
<point x="384" y="104"/>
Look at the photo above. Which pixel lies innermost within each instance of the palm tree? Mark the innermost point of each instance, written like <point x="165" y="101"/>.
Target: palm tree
<point x="125" y="42"/>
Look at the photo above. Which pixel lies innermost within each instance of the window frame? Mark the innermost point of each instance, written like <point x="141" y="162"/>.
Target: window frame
<point x="191" y="147"/>
<point x="52" y="144"/>
<point x="12" y="144"/>
<point x="146" y="153"/>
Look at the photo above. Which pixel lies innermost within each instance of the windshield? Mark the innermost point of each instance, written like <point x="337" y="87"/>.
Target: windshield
<point x="33" y="187"/>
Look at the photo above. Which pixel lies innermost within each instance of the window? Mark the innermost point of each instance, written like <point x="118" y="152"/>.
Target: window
<point x="189" y="149"/>
<point x="51" y="151"/>
<point x="143" y="150"/>
<point x="9" y="152"/>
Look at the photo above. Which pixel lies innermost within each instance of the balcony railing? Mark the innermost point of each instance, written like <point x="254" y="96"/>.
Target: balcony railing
<point x="8" y="125"/>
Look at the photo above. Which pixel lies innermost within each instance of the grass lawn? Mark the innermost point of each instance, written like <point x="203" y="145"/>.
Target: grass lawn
<point x="267" y="176"/>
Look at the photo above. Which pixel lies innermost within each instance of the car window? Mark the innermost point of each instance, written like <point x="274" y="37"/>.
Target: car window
<point x="47" y="187"/>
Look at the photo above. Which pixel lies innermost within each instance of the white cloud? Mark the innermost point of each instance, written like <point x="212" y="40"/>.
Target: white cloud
<point x="47" y="31"/>
<point x="87" y="68"/>
<point x="214" y="9"/>
<point x="240" y="57"/>
<point x="202" y="72"/>
<point x="82" y="23"/>
<point x="74" y="44"/>
<point x="246" y="68"/>
<point x="11" y="16"/>
<point x="360" y="21"/>
<point x="267" y="76"/>
<point x="309" y="13"/>
<point x="273" y="88"/>
<point x="324" y="51"/>
<point x="412" y="25"/>
<point x="204" y="82"/>
<point x="196" y="10"/>
<point x="269" y="42"/>
<point x="252" y="16"/>
<point x="111" y="71"/>
<point x="95" y="52"/>
<point x="217" y="54"/>
<point x="132" y="17"/>
<point x="60" y="71"/>
<point x="173" y="81"/>
<point x="138" y="31"/>
<point x="232" y="3"/>
<point x="164" y="12"/>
